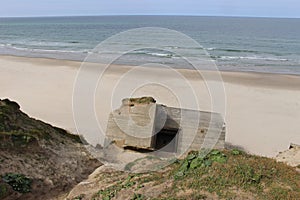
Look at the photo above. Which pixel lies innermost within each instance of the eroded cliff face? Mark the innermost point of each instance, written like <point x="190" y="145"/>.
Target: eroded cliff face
<point x="50" y="160"/>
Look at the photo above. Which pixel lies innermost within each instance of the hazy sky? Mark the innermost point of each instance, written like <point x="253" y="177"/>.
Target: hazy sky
<point x="267" y="8"/>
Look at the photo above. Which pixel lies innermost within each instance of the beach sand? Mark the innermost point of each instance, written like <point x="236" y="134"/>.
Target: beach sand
<point x="262" y="110"/>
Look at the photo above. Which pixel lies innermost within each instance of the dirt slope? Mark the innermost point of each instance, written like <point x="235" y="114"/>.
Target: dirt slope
<point x="51" y="160"/>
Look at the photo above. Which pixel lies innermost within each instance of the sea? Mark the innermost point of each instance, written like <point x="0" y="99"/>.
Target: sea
<point x="268" y="45"/>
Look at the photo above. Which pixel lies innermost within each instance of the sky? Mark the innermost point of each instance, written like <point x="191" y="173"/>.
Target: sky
<point x="251" y="8"/>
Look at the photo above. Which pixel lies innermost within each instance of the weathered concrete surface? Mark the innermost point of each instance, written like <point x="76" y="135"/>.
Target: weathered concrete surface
<point x="197" y="129"/>
<point x="132" y="124"/>
<point x="137" y="123"/>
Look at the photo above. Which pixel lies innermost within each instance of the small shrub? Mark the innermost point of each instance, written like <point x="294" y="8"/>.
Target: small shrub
<point x="22" y="140"/>
<point x="19" y="182"/>
<point x="217" y="156"/>
<point x="236" y="152"/>
<point x="195" y="160"/>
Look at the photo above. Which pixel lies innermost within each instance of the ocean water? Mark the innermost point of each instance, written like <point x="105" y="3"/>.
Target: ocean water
<point x="235" y="44"/>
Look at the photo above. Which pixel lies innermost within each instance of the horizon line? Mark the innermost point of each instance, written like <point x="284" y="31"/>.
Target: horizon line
<point x="174" y="15"/>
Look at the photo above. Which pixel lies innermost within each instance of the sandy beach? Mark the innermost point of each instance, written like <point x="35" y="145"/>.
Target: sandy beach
<point x="262" y="110"/>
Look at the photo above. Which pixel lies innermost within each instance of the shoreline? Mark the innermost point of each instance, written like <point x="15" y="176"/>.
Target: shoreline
<point x="57" y="60"/>
<point x="270" y="80"/>
<point x="262" y="110"/>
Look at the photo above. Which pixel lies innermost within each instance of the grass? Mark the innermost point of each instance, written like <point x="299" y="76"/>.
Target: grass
<point x="254" y="175"/>
<point x="110" y="192"/>
<point x="138" y="197"/>
<point x="220" y="174"/>
<point x="142" y="100"/>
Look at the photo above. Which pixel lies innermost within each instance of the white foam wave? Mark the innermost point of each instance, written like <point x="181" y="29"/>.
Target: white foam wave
<point x="251" y="58"/>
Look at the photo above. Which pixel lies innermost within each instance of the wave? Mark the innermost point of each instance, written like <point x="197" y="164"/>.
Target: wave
<point x="226" y="50"/>
<point x="165" y="55"/>
<point x="12" y="48"/>
<point x="210" y="49"/>
<point x="216" y="49"/>
<point x="41" y="44"/>
<point x="248" y="58"/>
<point x="39" y="50"/>
<point x="6" y="45"/>
<point x="246" y="51"/>
<point x="155" y="54"/>
<point x="238" y="50"/>
<point x="9" y="48"/>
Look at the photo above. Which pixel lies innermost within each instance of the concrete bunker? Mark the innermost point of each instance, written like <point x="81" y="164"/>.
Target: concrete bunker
<point x="142" y="124"/>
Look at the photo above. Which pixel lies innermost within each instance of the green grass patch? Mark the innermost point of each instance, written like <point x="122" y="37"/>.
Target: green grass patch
<point x="195" y="160"/>
<point x="224" y="174"/>
<point x="19" y="182"/>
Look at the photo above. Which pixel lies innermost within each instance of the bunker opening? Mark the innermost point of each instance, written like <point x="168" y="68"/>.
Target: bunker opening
<point x="167" y="139"/>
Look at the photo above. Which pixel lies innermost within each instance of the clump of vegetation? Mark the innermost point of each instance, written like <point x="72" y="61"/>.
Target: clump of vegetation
<point x="195" y="160"/>
<point x="22" y="139"/>
<point x="142" y="100"/>
<point x="236" y="152"/>
<point x="18" y="182"/>
<point x="113" y="190"/>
